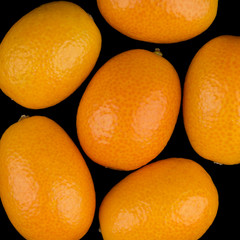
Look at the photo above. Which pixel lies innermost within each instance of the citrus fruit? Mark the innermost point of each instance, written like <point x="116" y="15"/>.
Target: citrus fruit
<point x="129" y="110"/>
<point x="47" y="54"/>
<point x="211" y="100"/>
<point x="159" y="21"/>
<point x="46" y="188"/>
<point x="169" y="199"/>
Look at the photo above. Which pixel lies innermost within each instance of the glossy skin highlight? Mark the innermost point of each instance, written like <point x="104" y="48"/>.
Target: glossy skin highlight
<point x="46" y="188"/>
<point x="168" y="199"/>
<point x="129" y="110"/>
<point x="47" y="54"/>
<point x="165" y="21"/>
<point x="211" y="100"/>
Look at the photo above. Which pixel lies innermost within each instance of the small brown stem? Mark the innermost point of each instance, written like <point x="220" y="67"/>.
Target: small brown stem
<point x="158" y="52"/>
<point x="23" y="117"/>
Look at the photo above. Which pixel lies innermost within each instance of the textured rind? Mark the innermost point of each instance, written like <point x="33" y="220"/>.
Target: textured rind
<point x="211" y="100"/>
<point x="46" y="188"/>
<point x="168" y="199"/>
<point x="165" y="21"/>
<point x="129" y="110"/>
<point x="47" y="54"/>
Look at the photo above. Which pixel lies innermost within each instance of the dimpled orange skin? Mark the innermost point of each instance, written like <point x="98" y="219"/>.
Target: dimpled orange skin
<point x="165" y="21"/>
<point x="168" y="199"/>
<point x="47" y="54"/>
<point x="46" y="188"/>
<point x="129" y="110"/>
<point x="211" y="101"/>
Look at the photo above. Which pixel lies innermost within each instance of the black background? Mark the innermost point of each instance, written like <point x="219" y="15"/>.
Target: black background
<point x="226" y="178"/>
